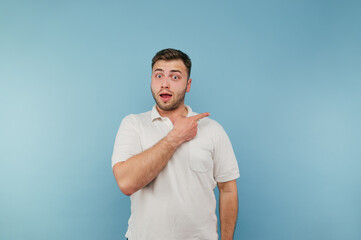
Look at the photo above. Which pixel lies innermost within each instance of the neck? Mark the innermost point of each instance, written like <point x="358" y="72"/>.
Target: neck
<point x="173" y="114"/>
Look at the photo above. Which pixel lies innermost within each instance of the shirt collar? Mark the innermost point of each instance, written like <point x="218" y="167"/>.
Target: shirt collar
<point x="155" y="114"/>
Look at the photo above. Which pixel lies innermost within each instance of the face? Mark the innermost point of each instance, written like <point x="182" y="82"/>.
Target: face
<point x="169" y="84"/>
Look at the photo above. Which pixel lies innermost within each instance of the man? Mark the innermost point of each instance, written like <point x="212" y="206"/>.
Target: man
<point x="170" y="159"/>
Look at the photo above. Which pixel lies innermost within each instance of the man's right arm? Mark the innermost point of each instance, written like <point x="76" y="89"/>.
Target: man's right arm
<point x="139" y="170"/>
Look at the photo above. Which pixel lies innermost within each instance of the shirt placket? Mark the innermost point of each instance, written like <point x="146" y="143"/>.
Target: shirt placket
<point x="165" y="125"/>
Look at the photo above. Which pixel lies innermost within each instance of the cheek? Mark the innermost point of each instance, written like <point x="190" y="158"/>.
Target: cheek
<point x="153" y="84"/>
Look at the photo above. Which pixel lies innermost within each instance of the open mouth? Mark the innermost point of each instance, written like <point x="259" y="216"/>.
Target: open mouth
<point x="165" y="96"/>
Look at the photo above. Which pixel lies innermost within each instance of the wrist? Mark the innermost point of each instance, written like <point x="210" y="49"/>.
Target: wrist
<point x="173" y="140"/>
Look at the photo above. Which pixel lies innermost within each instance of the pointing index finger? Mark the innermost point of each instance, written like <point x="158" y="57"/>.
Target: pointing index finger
<point x="201" y="115"/>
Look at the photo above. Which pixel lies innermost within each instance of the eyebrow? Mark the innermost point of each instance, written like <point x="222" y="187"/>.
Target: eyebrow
<point x="161" y="70"/>
<point x="176" y="71"/>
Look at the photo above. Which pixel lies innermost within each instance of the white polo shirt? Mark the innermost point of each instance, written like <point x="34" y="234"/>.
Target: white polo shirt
<point x="180" y="202"/>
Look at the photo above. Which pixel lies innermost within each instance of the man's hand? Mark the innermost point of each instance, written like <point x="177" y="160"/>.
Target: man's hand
<point x="184" y="129"/>
<point x="141" y="169"/>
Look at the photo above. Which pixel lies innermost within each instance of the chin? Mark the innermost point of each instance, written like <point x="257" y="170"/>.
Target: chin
<point x="166" y="107"/>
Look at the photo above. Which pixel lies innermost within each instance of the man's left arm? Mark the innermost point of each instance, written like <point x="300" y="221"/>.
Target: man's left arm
<point x="228" y="208"/>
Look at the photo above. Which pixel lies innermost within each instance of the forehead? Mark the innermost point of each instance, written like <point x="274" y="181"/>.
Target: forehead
<point x="170" y="65"/>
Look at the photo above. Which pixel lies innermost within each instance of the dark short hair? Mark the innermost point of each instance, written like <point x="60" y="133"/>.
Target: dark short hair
<point x="173" y="54"/>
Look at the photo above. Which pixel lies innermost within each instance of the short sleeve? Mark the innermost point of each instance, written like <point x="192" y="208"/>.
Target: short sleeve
<point x="225" y="162"/>
<point x="127" y="142"/>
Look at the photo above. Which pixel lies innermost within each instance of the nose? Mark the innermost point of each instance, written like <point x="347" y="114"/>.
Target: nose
<point x="165" y="83"/>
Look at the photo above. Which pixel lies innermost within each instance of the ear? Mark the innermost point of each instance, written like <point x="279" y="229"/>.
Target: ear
<point x="189" y="82"/>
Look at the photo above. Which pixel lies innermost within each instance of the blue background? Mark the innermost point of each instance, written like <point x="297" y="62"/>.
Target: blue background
<point x="282" y="77"/>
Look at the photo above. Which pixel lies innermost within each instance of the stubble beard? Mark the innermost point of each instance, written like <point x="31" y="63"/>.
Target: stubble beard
<point x="173" y="106"/>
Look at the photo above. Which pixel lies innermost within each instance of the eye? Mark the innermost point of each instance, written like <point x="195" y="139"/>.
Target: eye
<point x="158" y="75"/>
<point x="175" y="77"/>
